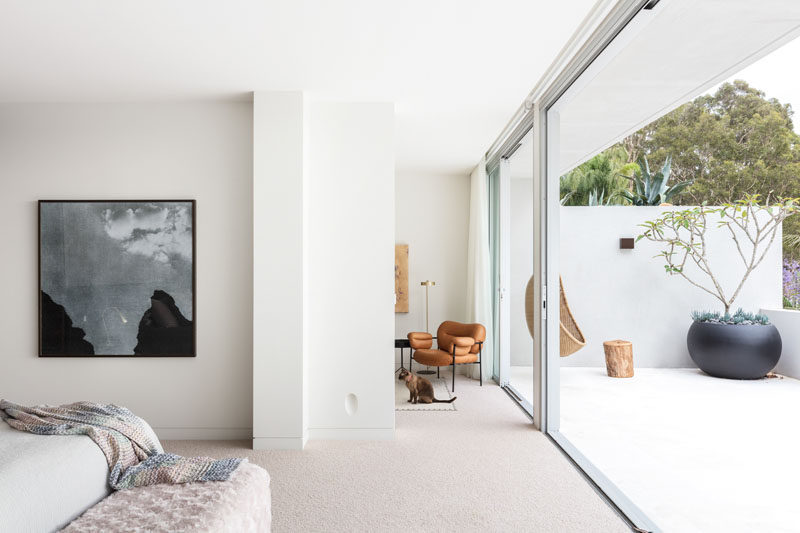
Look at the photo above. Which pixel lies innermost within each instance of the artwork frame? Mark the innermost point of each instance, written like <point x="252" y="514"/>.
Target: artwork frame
<point x="160" y="300"/>
<point x="401" y="278"/>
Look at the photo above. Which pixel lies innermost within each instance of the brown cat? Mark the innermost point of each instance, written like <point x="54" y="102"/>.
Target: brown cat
<point x="420" y="388"/>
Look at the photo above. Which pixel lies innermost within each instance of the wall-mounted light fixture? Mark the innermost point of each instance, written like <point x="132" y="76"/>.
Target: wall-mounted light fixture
<point x="626" y="243"/>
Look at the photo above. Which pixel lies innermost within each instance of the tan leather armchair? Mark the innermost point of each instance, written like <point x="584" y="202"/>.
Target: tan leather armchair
<point x="458" y="344"/>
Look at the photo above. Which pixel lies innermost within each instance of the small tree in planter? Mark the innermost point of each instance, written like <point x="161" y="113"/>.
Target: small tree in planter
<point x="749" y="350"/>
<point x="684" y="234"/>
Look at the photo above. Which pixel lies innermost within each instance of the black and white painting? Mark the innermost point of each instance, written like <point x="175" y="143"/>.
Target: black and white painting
<point x="116" y="278"/>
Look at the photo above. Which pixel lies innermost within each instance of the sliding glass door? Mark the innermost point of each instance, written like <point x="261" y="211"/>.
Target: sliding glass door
<point x="494" y="247"/>
<point x="511" y="201"/>
<point x="559" y="212"/>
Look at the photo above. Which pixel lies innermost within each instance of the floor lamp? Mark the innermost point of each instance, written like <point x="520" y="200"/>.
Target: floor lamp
<point x="427" y="284"/>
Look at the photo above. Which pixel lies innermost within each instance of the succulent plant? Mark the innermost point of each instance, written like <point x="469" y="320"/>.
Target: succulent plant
<point x="651" y="189"/>
<point x="596" y="198"/>
<point x="740" y="317"/>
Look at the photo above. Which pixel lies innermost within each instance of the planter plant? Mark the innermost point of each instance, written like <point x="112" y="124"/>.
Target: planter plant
<point x="742" y="345"/>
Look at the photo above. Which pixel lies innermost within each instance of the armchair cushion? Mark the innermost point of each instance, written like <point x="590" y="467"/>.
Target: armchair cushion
<point x="420" y="340"/>
<point x="442" y="358"/>
<point x="463" y="342"/>
<point x="450" y="330"/>
<point x="433" y="357"/>
<point x="469" y="358"/>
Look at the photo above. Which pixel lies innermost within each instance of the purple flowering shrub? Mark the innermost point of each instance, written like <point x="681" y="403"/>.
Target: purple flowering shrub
<point x="791" y="283"/>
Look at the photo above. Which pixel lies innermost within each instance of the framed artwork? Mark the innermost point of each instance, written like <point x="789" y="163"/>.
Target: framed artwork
<point x="401" y="278"/>
<point x="117" y="278"/>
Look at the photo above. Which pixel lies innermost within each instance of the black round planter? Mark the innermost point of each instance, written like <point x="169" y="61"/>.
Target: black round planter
<point x="734" y="351"/>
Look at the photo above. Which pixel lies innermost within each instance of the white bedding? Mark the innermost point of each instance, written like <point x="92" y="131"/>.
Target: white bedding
<point x="47" y="480"/>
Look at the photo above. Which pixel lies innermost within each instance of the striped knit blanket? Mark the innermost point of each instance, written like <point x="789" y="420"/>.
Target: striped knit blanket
<point x="133" y="452"/>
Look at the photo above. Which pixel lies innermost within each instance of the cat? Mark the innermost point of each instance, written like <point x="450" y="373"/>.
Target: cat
<point x="421" y="389"/>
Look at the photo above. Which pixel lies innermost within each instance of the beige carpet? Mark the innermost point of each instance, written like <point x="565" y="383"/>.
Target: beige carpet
<point x="440" y="392"/>
<point x="480" y="468"/>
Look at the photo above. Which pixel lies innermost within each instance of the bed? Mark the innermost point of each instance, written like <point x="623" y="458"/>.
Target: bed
<point x="47" y="481"/>
<point x="239" y="505"/>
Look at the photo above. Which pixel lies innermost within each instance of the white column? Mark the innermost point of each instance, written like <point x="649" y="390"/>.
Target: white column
<point x="323" y="300"/>
<point x="279" y="192"/>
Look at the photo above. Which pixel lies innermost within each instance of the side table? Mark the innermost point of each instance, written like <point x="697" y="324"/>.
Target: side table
<point x="403" y="344"/>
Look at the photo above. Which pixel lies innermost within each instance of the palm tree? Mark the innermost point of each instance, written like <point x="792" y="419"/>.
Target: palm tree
<point x="601" y="177"/>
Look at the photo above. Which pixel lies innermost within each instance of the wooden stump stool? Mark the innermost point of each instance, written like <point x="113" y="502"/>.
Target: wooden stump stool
<point x="619" y="358"/>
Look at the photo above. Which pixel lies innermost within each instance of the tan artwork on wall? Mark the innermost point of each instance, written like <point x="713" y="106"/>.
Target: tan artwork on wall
<point x="401" y="278"/>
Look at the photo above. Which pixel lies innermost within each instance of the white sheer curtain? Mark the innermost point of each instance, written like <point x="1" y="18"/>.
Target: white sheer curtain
<point x="479" y="286"/>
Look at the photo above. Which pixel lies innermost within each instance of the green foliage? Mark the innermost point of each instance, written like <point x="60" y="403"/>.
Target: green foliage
<point x="791" y="241"/>
<point x="738" y="318"/>
<point x="600" y="177"/>
<point x="731" y="143"/>
<point x="652" y="189"/>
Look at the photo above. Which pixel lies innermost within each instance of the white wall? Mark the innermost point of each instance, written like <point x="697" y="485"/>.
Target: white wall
<point x="788" y="323"/>
<point x="197" y="150"/>
<point x="324" y="199"/>
<point x="432" y="214"/>
<point x="351" y="269"/>
<point x="625" y="294"/>
<point x="279" y="284"/>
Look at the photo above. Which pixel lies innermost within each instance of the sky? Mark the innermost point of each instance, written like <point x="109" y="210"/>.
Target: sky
<point x="777" y="75"/>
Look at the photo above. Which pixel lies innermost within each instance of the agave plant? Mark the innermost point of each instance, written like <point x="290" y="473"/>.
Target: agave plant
<point x="596" y="198"/>
<point x="651" y="189"/>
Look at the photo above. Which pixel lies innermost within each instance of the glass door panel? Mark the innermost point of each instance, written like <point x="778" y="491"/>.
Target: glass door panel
<point x="511" y="232"/>
<point x="494" y="247"/>
<point x="520" y="271"/>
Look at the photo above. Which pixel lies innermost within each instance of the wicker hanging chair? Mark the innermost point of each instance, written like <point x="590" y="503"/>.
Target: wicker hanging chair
<point x="572" y="338"/>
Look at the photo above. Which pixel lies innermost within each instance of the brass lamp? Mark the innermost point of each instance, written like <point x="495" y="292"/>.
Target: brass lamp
<point x="427" y="284"/>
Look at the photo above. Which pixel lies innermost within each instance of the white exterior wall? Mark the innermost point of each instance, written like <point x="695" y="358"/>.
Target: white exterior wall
<point x="788" y="323"/>
<point x="625" y="294"/>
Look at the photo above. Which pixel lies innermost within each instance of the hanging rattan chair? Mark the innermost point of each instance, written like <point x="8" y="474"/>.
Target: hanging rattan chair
<point x="572" y="338"/>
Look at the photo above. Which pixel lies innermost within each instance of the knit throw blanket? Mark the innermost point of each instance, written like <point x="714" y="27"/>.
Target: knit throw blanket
<point x="133" y="452"/>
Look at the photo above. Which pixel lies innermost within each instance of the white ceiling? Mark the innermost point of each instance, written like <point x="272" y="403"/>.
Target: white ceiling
<point x="670" y="55"/>
<point x="456" y="69"/>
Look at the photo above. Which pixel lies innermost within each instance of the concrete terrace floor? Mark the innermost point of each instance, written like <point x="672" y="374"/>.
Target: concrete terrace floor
<point x="695" y="453"/>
